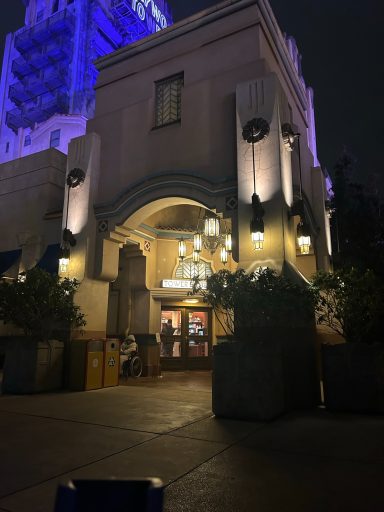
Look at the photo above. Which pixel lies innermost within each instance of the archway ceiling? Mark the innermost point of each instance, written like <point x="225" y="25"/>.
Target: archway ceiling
<point x="175" y="218"/>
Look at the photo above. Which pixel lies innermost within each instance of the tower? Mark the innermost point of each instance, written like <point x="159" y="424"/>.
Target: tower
<point x="47" y="80"/>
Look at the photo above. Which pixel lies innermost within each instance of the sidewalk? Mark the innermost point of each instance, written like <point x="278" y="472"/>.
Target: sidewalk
<point x="311" y="461"/>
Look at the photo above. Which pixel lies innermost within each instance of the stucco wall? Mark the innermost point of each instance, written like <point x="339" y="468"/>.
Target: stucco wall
<point x="30" y="187"/>
<point x="204" y="141"/>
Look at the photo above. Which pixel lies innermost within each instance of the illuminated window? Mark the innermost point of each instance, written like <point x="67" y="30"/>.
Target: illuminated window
<point x="55" y="139"/>
<point x="27" y="140"/>
<point x="168" y="100"/>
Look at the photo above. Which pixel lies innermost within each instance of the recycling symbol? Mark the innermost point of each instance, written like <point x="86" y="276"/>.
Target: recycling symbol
<point x="111" y="361"/>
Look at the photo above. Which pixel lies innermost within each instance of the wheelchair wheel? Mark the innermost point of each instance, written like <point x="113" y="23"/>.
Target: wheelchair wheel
<point x="135" y="366"/>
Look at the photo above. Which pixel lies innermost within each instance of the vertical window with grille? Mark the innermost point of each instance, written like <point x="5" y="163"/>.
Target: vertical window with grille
<point x="168" y="100"/>
<point x="55" y="139"/>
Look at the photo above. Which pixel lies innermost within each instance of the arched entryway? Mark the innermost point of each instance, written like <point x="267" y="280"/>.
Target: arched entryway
<point x="153" y="284"/>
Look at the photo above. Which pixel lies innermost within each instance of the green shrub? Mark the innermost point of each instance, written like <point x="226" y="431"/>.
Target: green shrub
<point x="351" y="303"/>
<point x="40" y="303"/>
<point x="243" y="302"/>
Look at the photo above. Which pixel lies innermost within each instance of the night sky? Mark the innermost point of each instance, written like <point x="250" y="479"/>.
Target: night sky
<point x="339" y="42"/>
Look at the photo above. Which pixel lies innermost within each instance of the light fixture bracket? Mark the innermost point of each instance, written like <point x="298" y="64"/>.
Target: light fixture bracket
<point x="289" y="136"/>
<point x="297" y="208"/>
<point x="68" y="237"/>
<point x="75" y="177"/>
<point x="255" y="130"/>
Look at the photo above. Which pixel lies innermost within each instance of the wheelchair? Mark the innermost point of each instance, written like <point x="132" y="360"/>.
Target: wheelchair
<point x="133" y="366"/>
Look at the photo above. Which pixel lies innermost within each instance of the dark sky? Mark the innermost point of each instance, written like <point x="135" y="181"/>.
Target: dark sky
<point x="342" y="61"/>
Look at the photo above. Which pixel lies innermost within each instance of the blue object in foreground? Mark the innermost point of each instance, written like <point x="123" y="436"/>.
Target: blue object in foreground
<point x="112" y="495"/>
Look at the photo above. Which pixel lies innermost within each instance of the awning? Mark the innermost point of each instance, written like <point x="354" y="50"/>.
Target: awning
<point x="7" y="259"/>
<point x="50" y="259"/>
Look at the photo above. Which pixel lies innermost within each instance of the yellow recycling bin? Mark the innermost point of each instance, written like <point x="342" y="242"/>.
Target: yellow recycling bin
<point x="111" y="362"/>
<point x="86" y="365"/>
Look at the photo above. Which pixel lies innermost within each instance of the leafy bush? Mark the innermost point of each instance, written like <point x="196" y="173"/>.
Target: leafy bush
<point x="40" y="303"/>
<point x="351" y="303"/>
<point x="243" y="303"/>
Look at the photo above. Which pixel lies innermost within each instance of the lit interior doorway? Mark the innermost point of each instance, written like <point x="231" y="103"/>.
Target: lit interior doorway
<point x="186" y="338"/>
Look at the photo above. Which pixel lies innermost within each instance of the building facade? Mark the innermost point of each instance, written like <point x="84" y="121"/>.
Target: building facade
<point x="48" y="76"/>
<point x="207" y="124"/>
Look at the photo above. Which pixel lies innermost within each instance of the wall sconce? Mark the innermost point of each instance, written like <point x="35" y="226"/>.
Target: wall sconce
<point x="75" y="178"/>
<point x="255" y="131"/>
<point x="303" y="232"/>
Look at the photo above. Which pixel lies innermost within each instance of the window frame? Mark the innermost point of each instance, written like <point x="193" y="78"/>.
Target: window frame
<point x="163" y="113"/>
<point x="53" y="138"/>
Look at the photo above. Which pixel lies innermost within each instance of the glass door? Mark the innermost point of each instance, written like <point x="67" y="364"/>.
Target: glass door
<point x="186" y="340"/>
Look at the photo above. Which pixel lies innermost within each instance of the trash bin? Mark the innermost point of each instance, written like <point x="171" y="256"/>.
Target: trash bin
<point x="149" y="351"/>
<point x="111" y="362"/>
<point x="110" y="495"/>
<point x="86" y="365"/>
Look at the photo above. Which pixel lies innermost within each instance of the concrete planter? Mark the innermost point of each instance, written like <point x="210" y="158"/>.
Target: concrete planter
<point x="353" y="377"/>
<point x="32" y="367"/>
<point x="263" y="378"/>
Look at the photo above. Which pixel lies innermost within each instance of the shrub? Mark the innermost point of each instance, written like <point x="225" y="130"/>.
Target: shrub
<point x="40" y="303"/>
<point x="351" y="303"/>
<point x="243" y="303"/>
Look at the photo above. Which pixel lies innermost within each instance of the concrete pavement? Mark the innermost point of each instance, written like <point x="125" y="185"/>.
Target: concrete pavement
<point x="311" y="461"/>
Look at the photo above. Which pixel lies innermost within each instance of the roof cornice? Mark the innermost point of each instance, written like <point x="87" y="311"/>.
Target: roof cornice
<point x="206" y="17"/>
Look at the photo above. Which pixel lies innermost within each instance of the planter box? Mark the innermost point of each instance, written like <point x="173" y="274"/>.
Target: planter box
<point x="353" y="377"/>
<point x="32" y="367"/>
<point x="264" y="378"/>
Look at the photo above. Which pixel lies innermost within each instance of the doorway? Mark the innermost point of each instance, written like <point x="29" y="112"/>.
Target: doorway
<point x="186" y="338"/>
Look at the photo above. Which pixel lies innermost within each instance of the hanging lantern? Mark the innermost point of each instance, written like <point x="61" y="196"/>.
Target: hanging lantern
<point x="303" y="236"/>
<point x="64" y="258"/>
<point x="182" y="249"/>
<point x="228" y="242"/>
<point x="196" y="257"/>
<point x="211" y="226"/>
<point x="223" y="255"/>
<point x="211" y="234"/>
<point x="197" y="242"/>
<point x="258" y="240"/>
<point x="257" y="223"/>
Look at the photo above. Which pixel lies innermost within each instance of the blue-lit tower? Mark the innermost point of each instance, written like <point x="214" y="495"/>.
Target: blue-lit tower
<point x="46" y="90"/>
